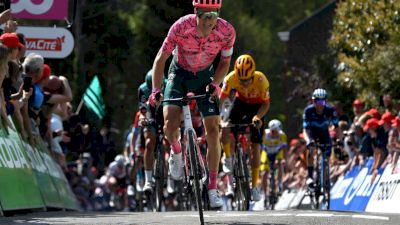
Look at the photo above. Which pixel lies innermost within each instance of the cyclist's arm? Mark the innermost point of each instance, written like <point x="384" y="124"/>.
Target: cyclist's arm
<point x="264" y="87"/>
<point x="158" y="68"/>
<point x="222" y="70"/>
<point x="226" y="89"/>
<point x="306" y="127"/>
<point x="262" y="111"/>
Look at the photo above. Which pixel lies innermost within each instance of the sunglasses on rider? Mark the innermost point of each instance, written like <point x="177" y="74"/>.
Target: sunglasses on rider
<point x="246" y="81"/>
<point x="320" y="101"/>
<point x="207" y="15"/>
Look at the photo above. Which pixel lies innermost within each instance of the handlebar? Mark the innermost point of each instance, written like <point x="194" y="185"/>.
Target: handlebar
<point x="239" y="125"/>
<point x="186" y="99"/>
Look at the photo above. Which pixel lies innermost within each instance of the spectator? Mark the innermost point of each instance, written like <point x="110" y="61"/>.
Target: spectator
<point x="15" y="99"/>
<point x="5" y="16"/>
<point x="387" y="103"/>
<point x="11" y="40"/>
<point x="372" y="113"/>
<point x="342" y="116"/>
<point x="394" y="140"/>
<point x="56" y="90"/>
<point x="3" y="74"/>
<point x="22" y="51"/>
<point x="10" y="26"/>
<point x="33" y="67"/>
<point x="378" y="144"/>
<point x="358" y="109"/>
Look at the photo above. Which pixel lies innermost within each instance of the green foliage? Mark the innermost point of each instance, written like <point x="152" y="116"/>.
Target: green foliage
<point x="365" y="39"/>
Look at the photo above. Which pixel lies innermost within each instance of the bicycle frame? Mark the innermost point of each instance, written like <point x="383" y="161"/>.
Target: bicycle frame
<point x="323" y="180"/>
<point x="195" y="171"/>
<point x="188" y="132"/>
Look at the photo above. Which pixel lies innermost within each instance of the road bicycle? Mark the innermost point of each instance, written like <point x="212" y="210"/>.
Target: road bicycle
<point x="320" y="196"/>
<point x="195" y="171"/>
<point x="242" y="193"/>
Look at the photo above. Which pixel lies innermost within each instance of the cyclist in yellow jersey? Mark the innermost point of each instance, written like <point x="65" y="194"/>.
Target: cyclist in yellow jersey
<point x="250" y="106"/>
<point x="274" y="147"/>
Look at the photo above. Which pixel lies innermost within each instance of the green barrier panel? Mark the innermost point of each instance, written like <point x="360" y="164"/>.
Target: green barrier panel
<point x="19" y="187"/>
<point x="66" y="196"/>
<point x="47" y="187"/>
<point x="30" y="177"/>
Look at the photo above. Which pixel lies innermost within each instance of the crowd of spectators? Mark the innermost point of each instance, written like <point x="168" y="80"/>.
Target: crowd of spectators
<point x="366" y="133"/>
<point x="36" y="103"/>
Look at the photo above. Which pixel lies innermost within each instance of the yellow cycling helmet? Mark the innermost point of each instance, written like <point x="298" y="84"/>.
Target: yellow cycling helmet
<point x="245" y="67"/>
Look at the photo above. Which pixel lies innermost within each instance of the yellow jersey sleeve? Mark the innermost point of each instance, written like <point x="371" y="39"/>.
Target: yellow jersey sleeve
<point x="227" y="84"/>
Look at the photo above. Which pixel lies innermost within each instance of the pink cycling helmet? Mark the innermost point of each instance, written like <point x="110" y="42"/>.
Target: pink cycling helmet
<point x="213" y="4"/>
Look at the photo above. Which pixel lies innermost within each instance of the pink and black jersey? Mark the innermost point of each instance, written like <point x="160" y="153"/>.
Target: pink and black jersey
<point x="195" y="53"/>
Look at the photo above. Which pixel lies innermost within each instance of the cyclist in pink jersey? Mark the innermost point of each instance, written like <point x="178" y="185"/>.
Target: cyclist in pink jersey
<point x="194" y="41"/>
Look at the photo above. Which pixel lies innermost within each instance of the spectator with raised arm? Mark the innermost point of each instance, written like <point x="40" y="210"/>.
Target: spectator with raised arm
<point x="33" y="67"/>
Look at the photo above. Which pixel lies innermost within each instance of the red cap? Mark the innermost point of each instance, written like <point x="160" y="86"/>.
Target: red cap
<point x="46" y="73"/>
<point x="358" y="102"/>
<point x="396" y="122"/>
<point x="11" y="40"/>
<point x="371" y="123"/>
<point x="387" y="117"/>
<point x="374" y="113"/>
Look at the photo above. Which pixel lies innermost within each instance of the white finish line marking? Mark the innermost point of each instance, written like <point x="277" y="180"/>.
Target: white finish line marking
<point x="371" y="217"/>
<point x="321" y="215"/>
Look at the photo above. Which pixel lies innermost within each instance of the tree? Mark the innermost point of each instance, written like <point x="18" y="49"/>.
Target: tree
<point x="365" y="39"/>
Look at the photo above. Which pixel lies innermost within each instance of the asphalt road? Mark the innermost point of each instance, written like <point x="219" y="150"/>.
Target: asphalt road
<point x="211" y="218"/>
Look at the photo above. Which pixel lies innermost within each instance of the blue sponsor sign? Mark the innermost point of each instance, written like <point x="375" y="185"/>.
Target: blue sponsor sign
<point x="353" y="192"/>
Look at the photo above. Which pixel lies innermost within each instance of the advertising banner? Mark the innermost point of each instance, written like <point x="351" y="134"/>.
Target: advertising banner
<point x="30" y="177"/>
<point x="50" y="42"/>
<point x="354" y="191"/>
<point x="19" y="187"/>
<point x="386" y="196"/>
<point x="66" y="196"/>
<point x="40" y="9"/>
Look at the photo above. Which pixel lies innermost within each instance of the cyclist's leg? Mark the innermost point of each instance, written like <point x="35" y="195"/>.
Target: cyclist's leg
<point x="172" y="121"/>
<point x="150" y="139"/>
<point x="256" y="140"/>
<point x="226" y="146"/>
<point x="213" y="157"/>
<point x="214" y="149"/>
<point x="280" y="164"/>
<point x="264" y="170"/>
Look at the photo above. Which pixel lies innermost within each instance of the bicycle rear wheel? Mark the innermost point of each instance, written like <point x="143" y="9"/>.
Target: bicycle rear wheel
<point x="195" y="171"/>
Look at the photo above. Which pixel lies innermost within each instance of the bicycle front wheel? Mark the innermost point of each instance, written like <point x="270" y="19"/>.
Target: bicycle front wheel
<point x="195" y="171"/>
<point x="159" y="175"/>
<point x="242" y="184"/>
<point x="326" y="186"/>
